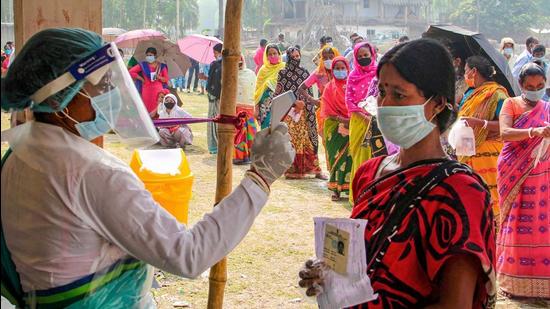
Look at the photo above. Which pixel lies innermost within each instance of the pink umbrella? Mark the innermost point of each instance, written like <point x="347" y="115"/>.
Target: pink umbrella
<point x="131" y="39"/>
<point x="199" y="47"/>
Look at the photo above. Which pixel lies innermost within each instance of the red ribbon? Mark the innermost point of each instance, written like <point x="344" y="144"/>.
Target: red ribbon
<point x="237" y="121"/>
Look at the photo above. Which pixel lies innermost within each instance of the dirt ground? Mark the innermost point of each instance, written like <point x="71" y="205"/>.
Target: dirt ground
<point x="262" y="270"/>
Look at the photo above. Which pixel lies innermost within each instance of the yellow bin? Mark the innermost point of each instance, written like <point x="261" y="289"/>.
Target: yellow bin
<point x="166" y="174"/>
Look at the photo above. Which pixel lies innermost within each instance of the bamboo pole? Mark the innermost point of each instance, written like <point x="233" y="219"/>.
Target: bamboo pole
<point x="231" y="56"/>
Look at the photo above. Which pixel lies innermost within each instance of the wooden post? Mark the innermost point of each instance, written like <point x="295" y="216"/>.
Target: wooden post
<point x="31" y="16"/>
<point x="231" y="56"/>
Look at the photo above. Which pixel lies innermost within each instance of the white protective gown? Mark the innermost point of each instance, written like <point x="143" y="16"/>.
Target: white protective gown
<point x="70" y="208"/>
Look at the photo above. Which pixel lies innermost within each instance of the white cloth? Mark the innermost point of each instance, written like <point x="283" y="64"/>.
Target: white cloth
<point x="512" y="61"/>
<point x="70" y="208"/>
<point x="247" y="86"/>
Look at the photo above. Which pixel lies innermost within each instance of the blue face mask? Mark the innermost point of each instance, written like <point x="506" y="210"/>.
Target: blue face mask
<point x="8" y="51"/>
<point x="534" y="96"/>
<point x="107" y="108"/>
<point x="404" y="125"/>
<point x="150" y="59"/>
<point x="340" y="74"/>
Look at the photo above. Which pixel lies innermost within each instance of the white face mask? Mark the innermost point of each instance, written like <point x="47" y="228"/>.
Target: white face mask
<point x="404" y="126"/>
<point x="508" y="51"/>
<point x="534" y="96"/>
<point x="328" y="64"/>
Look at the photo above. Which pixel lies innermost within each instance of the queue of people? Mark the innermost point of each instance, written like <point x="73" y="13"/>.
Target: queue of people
<point x="507" y="177"/>
<point x="432" y="221"/>
<point x="442" y="229"/>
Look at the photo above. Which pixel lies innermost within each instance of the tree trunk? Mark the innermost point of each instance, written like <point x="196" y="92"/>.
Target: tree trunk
<point x="220" y="19"/>
<point x="231" y="56"/>
<point x="144" y="13"/>
<point x="177" y="19"/>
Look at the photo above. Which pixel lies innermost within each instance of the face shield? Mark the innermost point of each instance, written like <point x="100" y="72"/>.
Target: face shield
<point x="117" y="104"/>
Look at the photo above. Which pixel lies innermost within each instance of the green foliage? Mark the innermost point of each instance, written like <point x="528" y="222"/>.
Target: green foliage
<point x="155" y="14"/>
<point x="500" y="18"/>
<point x="255" y="12"/>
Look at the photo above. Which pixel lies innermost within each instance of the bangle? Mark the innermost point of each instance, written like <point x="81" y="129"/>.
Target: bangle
<point x="530" y="132"/>
<point x="485" y="123"/>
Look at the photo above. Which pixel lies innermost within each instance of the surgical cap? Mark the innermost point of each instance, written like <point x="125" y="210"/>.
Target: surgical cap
<point x="46" y="56"/>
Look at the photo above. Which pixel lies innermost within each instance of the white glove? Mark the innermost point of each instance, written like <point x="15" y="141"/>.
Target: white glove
<point x="272" y="153"/>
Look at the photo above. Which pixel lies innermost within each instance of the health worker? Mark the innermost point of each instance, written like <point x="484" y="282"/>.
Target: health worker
<point x="79" y="230"/>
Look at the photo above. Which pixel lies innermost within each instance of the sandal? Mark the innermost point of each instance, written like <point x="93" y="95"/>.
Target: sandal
<point x="335" y="197"/>
<point x="321" y="176"/>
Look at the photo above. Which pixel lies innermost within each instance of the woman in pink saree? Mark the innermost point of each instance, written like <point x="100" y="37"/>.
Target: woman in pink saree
<point x="523" y="246"/>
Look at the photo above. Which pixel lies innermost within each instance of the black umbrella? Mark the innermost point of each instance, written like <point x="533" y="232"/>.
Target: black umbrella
<point x="470" y="43"/>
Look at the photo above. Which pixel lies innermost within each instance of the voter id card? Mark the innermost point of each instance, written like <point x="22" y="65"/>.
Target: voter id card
<point x="336" y="249"/>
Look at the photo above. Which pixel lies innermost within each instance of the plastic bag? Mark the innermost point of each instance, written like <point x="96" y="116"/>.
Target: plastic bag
<point x="462" y="139"/>
<point x="370" y="104"/>
<point x="542" y="154"/>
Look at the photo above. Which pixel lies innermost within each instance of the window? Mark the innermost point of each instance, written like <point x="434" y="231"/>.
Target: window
<point x="371" y="32"/>
<point x="300" y="9"/>
<point x="366" y="4"/>
<point x="288" y="6"/>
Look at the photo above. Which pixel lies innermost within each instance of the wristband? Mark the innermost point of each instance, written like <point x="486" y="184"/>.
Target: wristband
<point x="485" y="123"/>
<point x="530" y="132"/>
<point x="257" y="179"/>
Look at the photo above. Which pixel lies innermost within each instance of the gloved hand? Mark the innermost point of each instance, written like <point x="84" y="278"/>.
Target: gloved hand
<point x="272" y="153"/>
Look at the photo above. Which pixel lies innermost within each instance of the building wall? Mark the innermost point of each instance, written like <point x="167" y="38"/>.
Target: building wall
<point x="372" y="11"/>
<point x="390" y="11"/>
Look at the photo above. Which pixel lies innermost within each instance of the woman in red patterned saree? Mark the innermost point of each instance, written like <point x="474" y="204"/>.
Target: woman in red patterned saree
<point x="430" y="234"/>
<point x="523" y="243"/>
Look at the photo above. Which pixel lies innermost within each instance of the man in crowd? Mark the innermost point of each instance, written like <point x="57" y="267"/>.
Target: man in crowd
<point x="214" y="89"/>
<point x="525" y="57"/>
<point x="282" y="45"/>
<point x="193" y="75"/>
